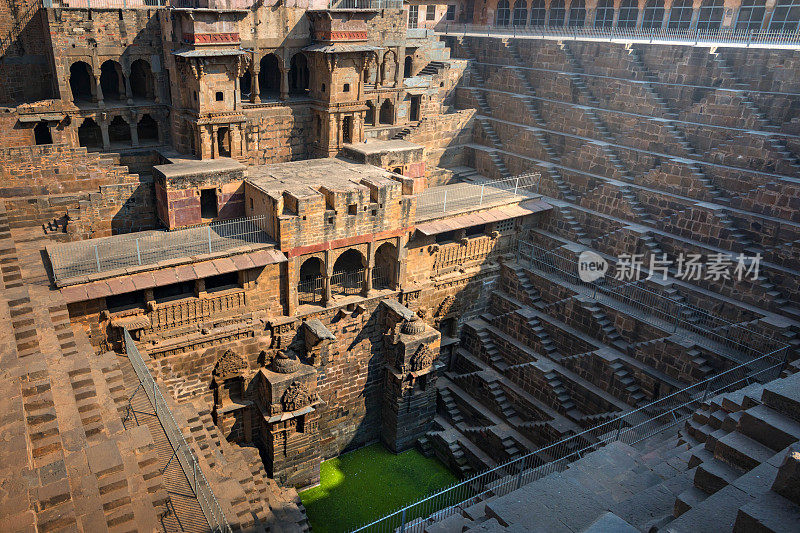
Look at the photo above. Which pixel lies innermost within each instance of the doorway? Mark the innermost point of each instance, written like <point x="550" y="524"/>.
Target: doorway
<point x="224" y="142"/>
<point x="416" y="102"/>
<point x="41" y="133"/>
<point x="208" y="203"/>
<point x="347" y="130"/>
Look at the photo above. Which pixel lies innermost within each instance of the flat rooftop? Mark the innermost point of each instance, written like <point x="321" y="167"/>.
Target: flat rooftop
<point x="304" y="178"/>
<point x="376" y="146"/>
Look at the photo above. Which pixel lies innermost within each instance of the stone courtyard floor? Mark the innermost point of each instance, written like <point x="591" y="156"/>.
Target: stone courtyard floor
<point x="363" y="485"/>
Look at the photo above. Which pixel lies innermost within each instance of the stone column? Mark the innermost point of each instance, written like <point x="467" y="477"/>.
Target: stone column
<point x="640" y="17"/>
<point x="98" y="91"/>
<point x="134" y="131"/>
<point x="367" y="289"/>
<point x="104" y="133"/>
<point x="128" y="90"/>
<point x="399" y="72"/>
<point x="399" y="271"/>
<point x="327" y="297"/>
<point x="204" y="136"/>
<point x="667" y="9"/>
<point x="284" y="83"/>
<point x="237" y="95"/>
<point x="214" y="153"/>
<point x="162" y="126"/>
<point x="254" y="90"/>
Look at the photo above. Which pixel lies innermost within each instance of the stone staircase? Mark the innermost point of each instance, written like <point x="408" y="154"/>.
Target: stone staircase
<point x="499" y="164"/>
<point x="488" y="130"/>
<point x="562" y="395"/>
<point x="625" y="378"/>
<point x="609" y="334"/>
<point x="501" y="401"/>
<point x="433" y="68"/>
<point x="736" y="467"/>
<point x="546" y="343"/>
<point x="639" y="212"/>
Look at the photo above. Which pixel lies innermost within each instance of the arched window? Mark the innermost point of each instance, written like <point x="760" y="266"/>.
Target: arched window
<point x="80" y="81"/>
<point x="520" y="13"/>
<point x="112" y="81"/>
<point x="653" y="15"/>
<point x="269" y="76"/>
<point x="90" y="135"/>
<point x="41" y="133"/>
<point x="142" y="85"/>
<point x="680" y="16"/>
<point x="503" y="13"/>
<point x="348" y="273"/>
<point x="577" y="14"/>
<point x="387" y="112"/>
<point x="604" y="14"/>
<point x="119" y="131"/>
<point x="383" y="275"/>
<point x="147" y="129"/>
<point x="786" y="16"/>
<point x="298" y="74"/>
<point x="628" y="14"/>
<point x="309" y="287"/>
<point x="538" y="13"/>
<point x="557" y="13"/>
<point x="710" y="15"/>
<point x="751" y="15"/>
<point x="408" y="67"/>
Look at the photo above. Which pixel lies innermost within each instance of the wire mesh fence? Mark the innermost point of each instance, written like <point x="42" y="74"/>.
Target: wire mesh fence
<point x="437" y="201"/>
<point x="766" y="361"/>
<point x="183" y="454"/>
<point x="144" y="248"/>
<point x="687" y="36"/>
<point x="365" y="4"/>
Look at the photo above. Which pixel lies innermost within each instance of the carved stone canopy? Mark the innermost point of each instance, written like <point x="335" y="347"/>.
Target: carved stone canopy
<point x="229" y="366"/>
<point x="295" y="397"/>
<point x="283" y="364"/>
<point x="422" y="358"/>
<point x="413" y="326"/>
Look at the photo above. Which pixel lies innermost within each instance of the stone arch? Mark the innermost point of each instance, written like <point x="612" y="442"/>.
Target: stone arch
<point x="538" y="13"/>
<point x="385" y="272"/>
<point x="680" y="15"/>
<point x="389" y="68"/>
<point x="653" y="15"/>
<point x="520" y="13"/>
<point x="348" y="272"/>
<point x="408" y="67"/>
<point x="119" y="131"/>
<point x="299" y="74"/>
<point x="269" y="76"/>
<point x="349" y="260"/>
<point x="309" y="283"/>
<point x="42" y="134"/>
<point x="558" y="13"/>
<point x="81" y="81"/>
<point x="503" y="15"/>
<point x="142" y="81"/>
<point x="387" y="112"/>
<point x="577" y="14"/>
<point x="224" y="141"/>
<point x="147" y="129"/>
<point x="112" y="80"/>
<point x="371" y="69"/>
<point x="711" y="13"/>
<point x="90" y="135"/>
<point x="628" y="14"/>
<point x="604" y="14"/>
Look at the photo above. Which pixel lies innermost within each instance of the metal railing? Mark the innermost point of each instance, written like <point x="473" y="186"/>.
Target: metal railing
<point x="768" y="358"/>
<point x="630" y="428"/>
<point x="365" y="4"/>
<point x="663" y="312"/>
<point x="312" y="290"/>
<point x="690" y="37"/>
<point x="109" y="4"/>
<point x="181" y="450"/>
<point x="144" y="248"/>
<point x="437" y="201"/>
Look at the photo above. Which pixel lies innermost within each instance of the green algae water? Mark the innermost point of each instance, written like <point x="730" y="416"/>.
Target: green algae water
<point x="363" y="485"/>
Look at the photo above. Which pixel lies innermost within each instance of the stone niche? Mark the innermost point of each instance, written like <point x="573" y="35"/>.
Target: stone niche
<point x="286" y="396"/>
<point x="231" y="411"/>
<point x="409" y="397"/>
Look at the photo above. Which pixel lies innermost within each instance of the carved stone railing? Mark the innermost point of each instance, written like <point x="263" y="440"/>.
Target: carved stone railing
<point x="470" y="250"/>
<point x="182" y="312"/>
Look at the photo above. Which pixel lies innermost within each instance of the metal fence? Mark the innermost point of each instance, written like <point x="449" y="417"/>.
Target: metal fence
<point x="312" y="290"/>
<point x="438" y="201"/>
<point x="695" y="37"/>
<point x="365" y="4"/>
<point x="767" y="359"/>
<point x="182" y="452"/>
<point x="703" y="327"/>
<point x="144" y="248"/>
<point x="111" y="4"/>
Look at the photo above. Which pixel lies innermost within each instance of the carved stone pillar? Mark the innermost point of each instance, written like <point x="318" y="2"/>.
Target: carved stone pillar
<point x="104" y="134"/>
<point x="134" y="131"/>
<point x="254" y="91"/>
<point x="128" y="90"/>
<point x="99" y="91"/>
<point x="214" y="133"/>
<point x="284" y="83"/>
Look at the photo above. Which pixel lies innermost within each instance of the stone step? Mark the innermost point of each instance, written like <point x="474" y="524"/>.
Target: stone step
<point x="769" y="427"/>
<point x="741" y="452"/>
